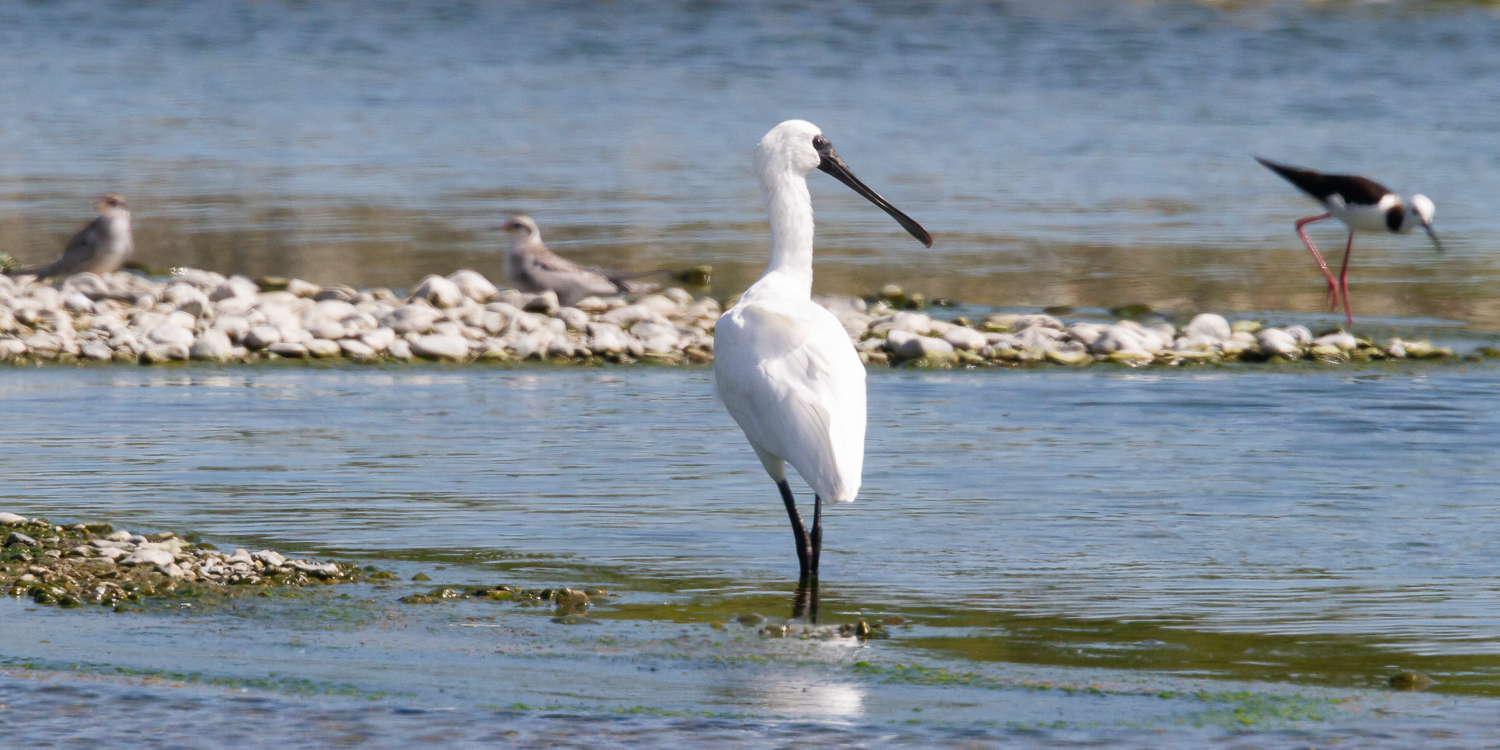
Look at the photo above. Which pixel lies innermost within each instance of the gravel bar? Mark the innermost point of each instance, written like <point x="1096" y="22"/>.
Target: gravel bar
<point x="463" y="317"/>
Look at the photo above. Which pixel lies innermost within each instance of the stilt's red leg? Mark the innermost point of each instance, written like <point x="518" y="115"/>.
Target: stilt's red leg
<point x="1333" y="287"/>
<point x="1344" y="280"/>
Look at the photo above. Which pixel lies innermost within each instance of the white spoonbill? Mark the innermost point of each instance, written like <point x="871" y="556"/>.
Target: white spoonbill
<point x="783" y="365"/>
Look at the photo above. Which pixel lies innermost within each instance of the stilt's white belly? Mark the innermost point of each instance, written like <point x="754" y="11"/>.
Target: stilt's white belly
<point x="1365" y="218"/>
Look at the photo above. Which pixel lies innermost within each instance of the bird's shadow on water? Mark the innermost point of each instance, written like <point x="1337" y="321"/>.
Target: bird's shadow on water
<point x="805" y="601"/>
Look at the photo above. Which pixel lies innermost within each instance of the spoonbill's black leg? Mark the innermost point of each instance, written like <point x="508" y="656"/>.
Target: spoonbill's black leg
<point x="1333" y="287"/>
<point x="816" y="539"/>
<point x="799" y="532"/>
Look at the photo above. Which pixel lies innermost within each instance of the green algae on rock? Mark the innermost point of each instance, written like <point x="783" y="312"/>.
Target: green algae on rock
<point x="567" y="601"/>
<point x="69" y="566"/>
<point x="1410" y="681"/>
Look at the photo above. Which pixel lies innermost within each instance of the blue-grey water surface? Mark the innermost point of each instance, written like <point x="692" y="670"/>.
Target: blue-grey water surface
<point x="1082" y="153"/>
<point x="1190" y="532"/>
<point x="1320" y="502"/>
<point x="1204" y="550"/>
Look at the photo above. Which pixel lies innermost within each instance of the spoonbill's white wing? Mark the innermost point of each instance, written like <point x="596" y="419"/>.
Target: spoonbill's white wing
<point x="791" y="379"/>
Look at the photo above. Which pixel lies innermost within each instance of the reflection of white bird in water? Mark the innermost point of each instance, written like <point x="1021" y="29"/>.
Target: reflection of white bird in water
<point x="534" y="268"/>
<point x="98" y="248"/>
<point x="783" y="364"/>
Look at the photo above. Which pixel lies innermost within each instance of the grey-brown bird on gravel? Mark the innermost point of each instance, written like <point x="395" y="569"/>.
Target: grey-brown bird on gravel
<point x="98" y="248"/>
<point x="534" y="268"/>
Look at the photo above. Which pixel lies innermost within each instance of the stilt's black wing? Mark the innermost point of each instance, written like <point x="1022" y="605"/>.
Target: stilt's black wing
<point x="1353" y="190"/>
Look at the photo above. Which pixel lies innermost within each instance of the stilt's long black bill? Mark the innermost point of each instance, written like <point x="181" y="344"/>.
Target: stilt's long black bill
<point x="1435" y="243"/>
<point x="835" y="166"/>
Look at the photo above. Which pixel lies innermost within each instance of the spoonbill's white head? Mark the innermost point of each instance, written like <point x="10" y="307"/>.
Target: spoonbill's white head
<point x="789" y="147"/>
<point x="1419" y="212"/>
<point x="796" y="147"/>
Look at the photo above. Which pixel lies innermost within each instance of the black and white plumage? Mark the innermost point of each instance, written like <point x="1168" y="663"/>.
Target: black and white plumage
<point x="1363" y="205"/>
<point x="100" y="247"/>
<point x="534" y="268"/>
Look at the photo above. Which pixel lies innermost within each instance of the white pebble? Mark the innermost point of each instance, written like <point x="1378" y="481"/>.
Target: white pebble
<point x="261" y="337"/>
<point x="300" y="288"/>
<point x="965" y="338"/>
<point x="907" y="345"/>
<point x="78" y="303"/>
<point x="1343" y="341"/>
<point x="473" y="285"/>
<point x="323" y="348"/>
<point x="607" y="338"/>
<point x="212" y="344"/>
<point x="288" y="349"/>
<point x="440" y="346"/>
<point x="356" y="349"/>
<point x="234" y="287"/>
<point x="1207" y="325"/>
<point x="379" y="338"/>
<point x="412" y="318"/>
<point x="438" y="291"/>
<point x="1278" y="342"/>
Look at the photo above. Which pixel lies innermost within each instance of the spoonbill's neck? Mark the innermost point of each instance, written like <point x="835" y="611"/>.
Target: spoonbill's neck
<point x="789" y="206"/>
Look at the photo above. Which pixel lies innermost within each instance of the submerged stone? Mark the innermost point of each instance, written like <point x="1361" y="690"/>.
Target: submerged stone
<point x="1410" y="681"/>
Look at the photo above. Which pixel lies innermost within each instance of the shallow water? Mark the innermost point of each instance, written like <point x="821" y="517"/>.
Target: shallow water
<point x="1076" y="153"/>
<point x="1235" y="556"/>
<point x="1199" y="532"/>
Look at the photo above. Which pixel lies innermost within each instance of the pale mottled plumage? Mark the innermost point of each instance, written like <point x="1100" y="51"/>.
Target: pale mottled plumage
<point x="783" y="365"/>
<point x="534" y="268"/>
<point x="98" y="248"/>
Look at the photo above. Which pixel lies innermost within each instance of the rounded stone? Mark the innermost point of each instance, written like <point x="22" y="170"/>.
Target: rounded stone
<point x="907" y="345"/>
<point x="414" y="318"/>
<point x="439" y="346"/>
<point x="438" y="291"/>
<point x="323" y="348"/>
<point x="1343" y="341"/>
<point x="356" y="349"/>
<point x="1207" y="325"/>
<point x="235" y="287"/>
<point x="473" y="285"/>
<point x="545" y="303"/>
<point x="288" y="349"/>
<point x="1277" y="342"/>
<point x="967" y="339"/>
<point x="262" y="337"/>
<point x="399" y="349"/>
<point x="212" y="345"/>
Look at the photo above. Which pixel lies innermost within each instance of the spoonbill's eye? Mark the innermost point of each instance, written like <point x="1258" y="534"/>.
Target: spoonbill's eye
<point x="819" y="142"/>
